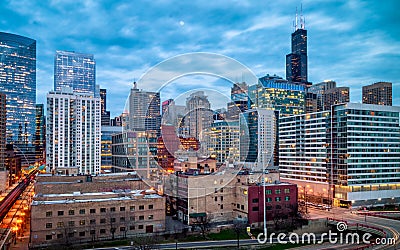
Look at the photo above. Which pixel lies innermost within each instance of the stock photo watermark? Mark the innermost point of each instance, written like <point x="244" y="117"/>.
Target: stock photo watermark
<point x="341" y="237"/>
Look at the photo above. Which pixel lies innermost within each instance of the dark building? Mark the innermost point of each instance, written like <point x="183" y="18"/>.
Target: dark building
<point x="12" y="164"/>
<point x="379" y="93"/>
<point x="336" y="96"/>
<point x="239" y="101"/>
<point x="3" y="170"/>
<point x="280" y="202"/>
<point x="105" y="115"/>
<point x="296" y="61"/>
<point x="18" y="82"/>
<point x="311" y="102"/>
<point x="40" y="134"/>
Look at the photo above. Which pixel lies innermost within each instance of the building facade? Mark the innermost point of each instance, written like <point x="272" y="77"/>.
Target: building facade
<point x="3" y="168"/>
<point x="239" y="101"/>
<point x="106" y="146"/>
<point x="199" y="115"/>
<point x="273" y="92"/>
<point x="40" y="134"/>
<point x="319" y="89"/>
<point x="379" y="93"/>
<point x="18" y="82"/>
<point x="76" y="71"/>
<point x="259" y="137"/>
<point x="73" y="134"/>
<point x="336" y="95"/>
<point x="105" y="115"/>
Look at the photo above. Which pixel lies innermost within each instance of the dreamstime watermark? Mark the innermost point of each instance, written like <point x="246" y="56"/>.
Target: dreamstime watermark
<point x="331" y="237"/>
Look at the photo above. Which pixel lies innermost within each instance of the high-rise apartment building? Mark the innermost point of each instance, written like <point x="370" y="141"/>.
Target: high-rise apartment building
<point x="273" y="92"/>
<point x="199" y="115"/>
<point x="73" y="133"/>
<point x="144" y="110"/>
<point x="75" y="70"/>
<point x="18" y="82"/>
<point x="379" y="93"/>
<point x="319" y="89"/>
<point x="105" y="115"/>
<point x="259" y="137"/>
<point x="336" y="95"/>
<point x="40" y="134"/>
<point x="296" y="61"/>
<point x="106" y="146"/>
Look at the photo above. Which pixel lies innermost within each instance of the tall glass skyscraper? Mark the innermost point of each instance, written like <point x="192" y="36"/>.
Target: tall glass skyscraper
<point x="75" y="70"/>
<point x="18" y="82"/>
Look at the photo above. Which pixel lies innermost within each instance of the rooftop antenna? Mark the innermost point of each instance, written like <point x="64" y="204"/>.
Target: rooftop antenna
<point x="302" y="24"/>
<point x="295" y="26"/>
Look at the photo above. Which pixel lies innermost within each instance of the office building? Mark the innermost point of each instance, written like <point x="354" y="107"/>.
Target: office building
<point x="135" y="151"/>
<point x="105" y="115"/>
<point x="144" y="110"/>
<point x="18" y="83"/>
<point x="273" y="92"/>
<point x="121" y="120"/>
<point x="73" y="134"/>
<point x="319" y="89"/>
<point x="172" y="114"/>
<point x="40" y="134"/>
<point x="221" y="141"/>
<point x="199" y="115"/>
<point x="106" y="149"/>
<point x="296" y="61"/>
<point x="336" y="95"/>
<point x="259" y="137"/>
<point x="239" y="101"/>
<point x="379" y="93"/>
<point x="76" y="71"/>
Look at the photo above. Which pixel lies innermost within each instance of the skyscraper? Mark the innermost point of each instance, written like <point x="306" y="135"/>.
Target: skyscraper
<point x="296" y="61"/>
<point x="379" y="93"/>
<point x="336" y="96"/>
<point x="75" y="70"/>
<point x="73" y="133"/>
<point x="3" y="170"/>
<point x="105" y="115"/>
<point x="239" y="101"/>
<point x="18" y="82"/>
<point x="319" y="89"/>
<point x="199" y="115"/>
<point x="40" y="134"/>
<point x="144" y="110"/>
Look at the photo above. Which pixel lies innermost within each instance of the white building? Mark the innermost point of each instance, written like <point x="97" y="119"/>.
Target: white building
<point x="73" y="133"/>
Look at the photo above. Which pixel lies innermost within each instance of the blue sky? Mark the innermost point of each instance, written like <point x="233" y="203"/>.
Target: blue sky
<point x="354" y="42"/>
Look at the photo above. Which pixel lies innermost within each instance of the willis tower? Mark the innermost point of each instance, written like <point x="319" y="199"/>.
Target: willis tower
<point x="296" y="62"/>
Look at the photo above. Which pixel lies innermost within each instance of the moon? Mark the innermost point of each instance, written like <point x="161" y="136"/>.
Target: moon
<point x="181" y="23"/>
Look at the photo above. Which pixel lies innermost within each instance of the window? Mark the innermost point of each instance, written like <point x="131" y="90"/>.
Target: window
<point x="49" y="213"/>
<point x="122" y="219"/>
<point x="268" y="191"/>
<point x="242" y="207"/>
<point x="122" y="229"/>
<point x="71" y="212"/>
<point x="287" y="198"/>
<point x="140" y="227"/>
<point x="102" y="221"/>
<point x="222" y="206"/>
<point x="141" y="207"/>
<point x="287" y="191"/>
<point x="70" y="235"/>
<point x="60" y="236"/>
<point x="102" y="231"/>
<point x="112" y="209"/>
<point x="82" y="234"/>
<point x="222" y="198"/>
<point x="112" y="220"/>
<point x="277" y="191"/>
<point x="150" y="206"/>
<point x="122" y="209"/>
<point x="269" y="199"/>
<point x="49" y="237"/>
<point x="215" y="198"/>
<point x="92" y="222"/>
<point x="254" y="209"/>
<point x="60" y="224"/>
<point x="141" y="217"/>
<point x="132" y="218"/>
<point x="60" y="213"/>
<point x="92" y="210"/>
<point x="49" y="225"/>
<point x="277" y="198"/>
<point x="131" y="227"/>
<point x="150" y="217"/>
<point x="103" y="210"/>
<point x="278" y="207"/>
<point x="71" y="223"/>
<point x="268" y="207"/>
<point x="255" y="200"/>
<point x="82" y="222"/>
<point x="82" y="211"/>
<point x="132" y="208"/>
<point x="238" y="206"/>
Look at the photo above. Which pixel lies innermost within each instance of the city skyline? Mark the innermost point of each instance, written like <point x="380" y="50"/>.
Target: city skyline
<point x="354" y="43"/>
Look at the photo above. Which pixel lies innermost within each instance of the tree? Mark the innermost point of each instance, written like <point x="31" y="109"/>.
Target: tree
<point x="144" y="242"/>
<point x="203" y="223"/>
<point x="238" y="227"/>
